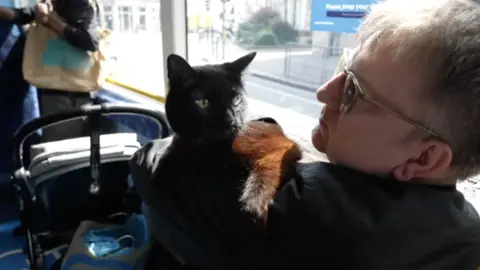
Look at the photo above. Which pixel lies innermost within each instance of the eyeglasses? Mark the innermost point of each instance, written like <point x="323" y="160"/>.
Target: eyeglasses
<point x="352" y="91"/>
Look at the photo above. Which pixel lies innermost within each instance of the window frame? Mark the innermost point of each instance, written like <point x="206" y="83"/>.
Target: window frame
<point x="173" y="22"/>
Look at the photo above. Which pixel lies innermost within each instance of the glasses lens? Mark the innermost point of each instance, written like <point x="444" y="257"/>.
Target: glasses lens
<point x="349" y="94"/>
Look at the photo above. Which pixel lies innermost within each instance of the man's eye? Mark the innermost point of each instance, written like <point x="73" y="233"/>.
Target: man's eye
<point x="202" y="103"/>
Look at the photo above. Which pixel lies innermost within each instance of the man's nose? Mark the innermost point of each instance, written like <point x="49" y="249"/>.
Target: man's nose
<point x="331" y="92"/>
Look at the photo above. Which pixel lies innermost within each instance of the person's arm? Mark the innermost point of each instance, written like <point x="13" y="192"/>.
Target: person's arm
<point x="20" y="16"/>
<point x="84" y="34"/>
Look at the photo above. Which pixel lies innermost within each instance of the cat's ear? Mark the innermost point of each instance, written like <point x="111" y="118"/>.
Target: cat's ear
<point x="178" y="67"/>
<point x="239" y="65"/>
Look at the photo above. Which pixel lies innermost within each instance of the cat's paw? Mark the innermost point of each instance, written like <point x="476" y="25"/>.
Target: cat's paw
<point x="256" y="196"/>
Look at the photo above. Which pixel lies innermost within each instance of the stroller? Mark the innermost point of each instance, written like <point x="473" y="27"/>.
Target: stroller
<point x="69" y="181"/>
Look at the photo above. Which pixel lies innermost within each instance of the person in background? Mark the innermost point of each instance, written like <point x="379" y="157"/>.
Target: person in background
<point x="76" y="21"/>
<point x="400" y="127"/>
<point x="18" y="99"/>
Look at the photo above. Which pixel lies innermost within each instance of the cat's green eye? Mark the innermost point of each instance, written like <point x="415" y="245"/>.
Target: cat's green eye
<point x="202" y="103"/>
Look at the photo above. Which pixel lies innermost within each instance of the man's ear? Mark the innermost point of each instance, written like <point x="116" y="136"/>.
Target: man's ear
<point x="432" y="161"/>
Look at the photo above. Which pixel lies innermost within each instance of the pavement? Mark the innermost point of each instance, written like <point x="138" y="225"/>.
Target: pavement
<point x="303" y="68"/>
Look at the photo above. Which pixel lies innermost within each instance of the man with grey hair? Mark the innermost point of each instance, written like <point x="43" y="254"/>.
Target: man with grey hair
<point x="400" y="126"/>
<point x="405" y="112"/>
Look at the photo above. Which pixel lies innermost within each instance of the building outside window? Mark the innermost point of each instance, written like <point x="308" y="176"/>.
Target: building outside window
<point x="142" y="19"/>
<point x="108" y="16"/>
<point x="125" y="16"/>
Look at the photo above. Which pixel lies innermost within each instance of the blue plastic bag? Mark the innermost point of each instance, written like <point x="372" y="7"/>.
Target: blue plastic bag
<point x="108" y="246"/>
<point x="109" y="241"/>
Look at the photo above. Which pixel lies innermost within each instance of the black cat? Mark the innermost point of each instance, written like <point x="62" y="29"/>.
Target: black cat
<point x="205" y="107"/>
<point x="206" y="103"/>
<point x="214" y="178"/>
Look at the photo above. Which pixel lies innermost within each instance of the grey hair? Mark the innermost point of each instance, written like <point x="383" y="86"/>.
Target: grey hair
<point x="442" y="39"/>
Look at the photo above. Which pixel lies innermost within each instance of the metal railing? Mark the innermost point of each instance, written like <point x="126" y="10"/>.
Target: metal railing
<point x="305" y="64"/>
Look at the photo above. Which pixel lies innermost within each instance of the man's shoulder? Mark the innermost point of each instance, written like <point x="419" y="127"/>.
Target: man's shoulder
<point x="317" y="178"/>
<point x="145" y="161"/>
<point x="343" y="193"/>
<point x="348" y="215"/>
<point x="147" y="157"/>
<point x="153" y="148"/>
<point x="317" y="182"/>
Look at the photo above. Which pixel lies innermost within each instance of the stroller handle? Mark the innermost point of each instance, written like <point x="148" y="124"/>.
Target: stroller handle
<point x="87" y="110"/>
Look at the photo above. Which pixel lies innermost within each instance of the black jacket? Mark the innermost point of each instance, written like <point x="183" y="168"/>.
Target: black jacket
<point x="328" y="217"/>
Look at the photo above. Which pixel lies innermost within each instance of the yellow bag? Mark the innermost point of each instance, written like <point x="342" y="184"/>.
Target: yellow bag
<point x="50" y="62"/>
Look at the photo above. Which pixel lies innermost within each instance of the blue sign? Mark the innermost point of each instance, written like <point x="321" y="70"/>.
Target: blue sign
<point x="7" y="3"/>
<point x="338" y="15"/>
<point x="17" y="3"/>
